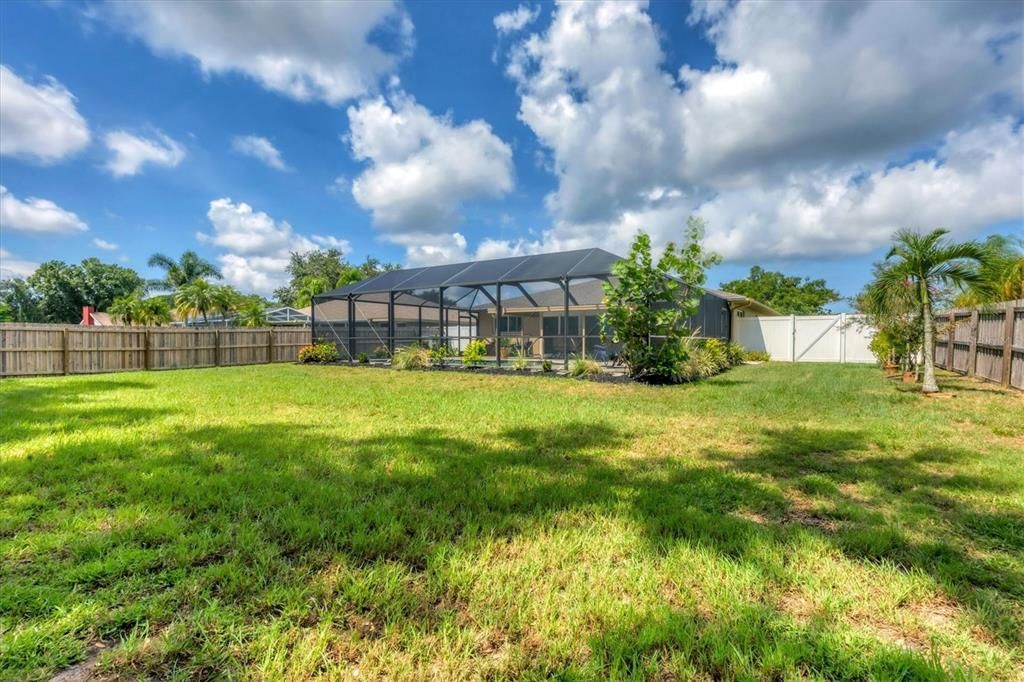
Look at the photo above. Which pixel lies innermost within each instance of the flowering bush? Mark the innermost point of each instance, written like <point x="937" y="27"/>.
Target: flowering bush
<point x="319" y="352"/>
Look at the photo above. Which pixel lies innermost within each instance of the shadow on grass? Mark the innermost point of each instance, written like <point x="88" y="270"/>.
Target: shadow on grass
<point x="826" y="472"/>
<point x="239" y="516"/>
<point x="43" y="407"/>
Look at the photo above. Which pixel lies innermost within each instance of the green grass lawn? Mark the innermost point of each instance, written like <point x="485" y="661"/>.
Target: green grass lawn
<point x="286" y="522"/>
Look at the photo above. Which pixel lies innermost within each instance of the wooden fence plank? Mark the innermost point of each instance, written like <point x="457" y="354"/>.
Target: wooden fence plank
<point x="1008" y="320"/>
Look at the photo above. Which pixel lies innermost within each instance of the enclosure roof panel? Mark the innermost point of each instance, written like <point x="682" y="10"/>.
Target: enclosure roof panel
<point x="538" y="267"/>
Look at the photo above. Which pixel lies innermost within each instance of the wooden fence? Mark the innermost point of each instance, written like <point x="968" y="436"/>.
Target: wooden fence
<point x="985" y="342"/>
<point x="35" y="349"/>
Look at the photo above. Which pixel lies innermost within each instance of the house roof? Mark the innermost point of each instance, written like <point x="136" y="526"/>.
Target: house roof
<point x="579" y="264"/>
<point x="535" y="268"/>
<point x="740" y="301"/>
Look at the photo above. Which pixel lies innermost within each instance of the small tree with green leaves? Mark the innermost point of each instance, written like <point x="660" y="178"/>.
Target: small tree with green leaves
<point x="648" y="304"/>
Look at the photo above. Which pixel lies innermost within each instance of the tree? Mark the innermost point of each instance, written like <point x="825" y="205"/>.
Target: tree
<point x="327" y="266"/>
<point x="225" y="298"/>
<point x="64" y="289"/>
<point x="177" y="273"/>
<point x="125" y="308"/>
<point x="154" y="311"/>
<point x="923" y="263"/>
<point x="1002" y="275"/>
<point x="311" y="286"/>
<point x="648" y="303"/>
<point x="787" y="295"/>
<point x="252" y="313"/>
<point x="195" y="299"/>
<point x="21" y="302"/>
<point x="895" y="315"/>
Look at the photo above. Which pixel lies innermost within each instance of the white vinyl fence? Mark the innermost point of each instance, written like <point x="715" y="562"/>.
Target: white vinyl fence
<point x="807" y="338"/>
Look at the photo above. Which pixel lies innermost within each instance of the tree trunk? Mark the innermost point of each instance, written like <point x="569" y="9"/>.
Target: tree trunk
<point x="929" y="385"/>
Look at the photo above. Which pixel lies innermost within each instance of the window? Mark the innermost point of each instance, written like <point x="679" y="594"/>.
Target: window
<point x="553" y="325"/>
<point x="511" y="324"/>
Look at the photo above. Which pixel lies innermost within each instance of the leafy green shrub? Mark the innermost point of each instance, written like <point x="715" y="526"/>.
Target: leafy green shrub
<point x="410" y="357"/>
<point x="735" y="352"/>
<point x="520" y="360"/>
<point x="706" y="362"/>
<point x="545" y="366"/>
<point x="689" y="370"/>
<point x="319" y="352"/>
<point x="756" y="356"/>
<point x="363" y="359"/>
<point x="474" y="352"/>
<point x="581" y="366"/>
<point x="717" y="354"/>
<point x="440" y="353"/>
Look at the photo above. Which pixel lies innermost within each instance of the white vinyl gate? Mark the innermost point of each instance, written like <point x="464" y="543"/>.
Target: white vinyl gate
<point x="807" y="338"/>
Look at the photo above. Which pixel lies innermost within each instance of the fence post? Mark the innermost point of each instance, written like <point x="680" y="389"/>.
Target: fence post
<point x="951" y="342"/>
<point x="65" y="352"/>
<point x="145" y="350"/>
<point x="842" y="338"/>
<point x="792" y="338"/>
<point x="270" y="345"/>
<point x="1008" y="320"/>
<point x="216" y="348"/>
<point x="972" y="354"/>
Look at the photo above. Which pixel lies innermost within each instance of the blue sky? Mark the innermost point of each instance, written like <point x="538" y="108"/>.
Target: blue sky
<point x="802" y="133"/>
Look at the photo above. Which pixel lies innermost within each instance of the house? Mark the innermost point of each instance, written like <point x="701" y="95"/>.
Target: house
<point x="544" y="305"/>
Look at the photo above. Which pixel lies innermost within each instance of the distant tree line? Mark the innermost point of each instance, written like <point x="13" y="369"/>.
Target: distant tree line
<point x="189" y="288"/>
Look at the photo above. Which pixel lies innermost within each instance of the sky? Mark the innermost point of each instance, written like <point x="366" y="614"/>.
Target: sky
<point x="803" y="133"/>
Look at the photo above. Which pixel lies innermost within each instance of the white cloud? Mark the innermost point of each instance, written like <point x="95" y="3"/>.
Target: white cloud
<point x="129" y="153"/>
<point x="976" y="179"/>
<point x="423" y="168"/>
<point x="804" y="84"/>
<point x="793" y="144"/>
<point x="517" y="19"/>
<point x="39" y="122"/>
<point x="259" y="148"/>
<point x="40" y="216"/>
<point x="340" y="185"/>
<point x="324" y="51"/>
<point x="12" y="267"/>
<point x="104" y="244"/>
<point x="257" y="247"/>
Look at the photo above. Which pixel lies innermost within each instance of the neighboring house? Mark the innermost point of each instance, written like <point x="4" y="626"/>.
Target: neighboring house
<point x="284" y="316"/>
<point x="547" y="305"/>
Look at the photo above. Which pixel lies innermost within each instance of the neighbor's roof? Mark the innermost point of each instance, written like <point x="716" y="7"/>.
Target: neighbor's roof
<point x="536" y="268"/>
<point x="738" y="300"/>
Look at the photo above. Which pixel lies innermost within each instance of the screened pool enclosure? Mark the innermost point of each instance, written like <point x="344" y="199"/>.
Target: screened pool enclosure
<point x="544" y="306"/>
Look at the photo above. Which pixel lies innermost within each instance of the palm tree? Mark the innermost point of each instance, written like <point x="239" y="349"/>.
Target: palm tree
<point x="195" y="299"/>
<point x="155" y="311"/>
<point x="252" y="313"/>
<point x="187" y="269"/>
<point x="311" y="286"/>
<point x="225" y="299"/>
<point x="919" y="264"/>
<point x="1002" y="275"/>
<point x="125" y="308"/>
